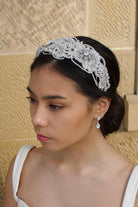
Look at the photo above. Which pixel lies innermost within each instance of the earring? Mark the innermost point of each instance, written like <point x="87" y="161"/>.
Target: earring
<point x="98" y="124"/>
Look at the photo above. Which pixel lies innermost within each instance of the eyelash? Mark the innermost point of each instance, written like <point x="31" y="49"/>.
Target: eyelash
<point x="53" y="107"/>
<point x="32" y="100"/>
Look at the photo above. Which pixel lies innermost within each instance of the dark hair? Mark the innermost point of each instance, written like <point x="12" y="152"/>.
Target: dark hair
<point x="113" y="118"/>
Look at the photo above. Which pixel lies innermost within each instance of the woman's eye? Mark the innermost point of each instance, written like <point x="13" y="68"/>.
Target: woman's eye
<point x="32" y="100"/>
<point x="55" y="107"/>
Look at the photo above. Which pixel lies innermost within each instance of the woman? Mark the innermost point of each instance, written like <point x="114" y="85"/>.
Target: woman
<point x="73" y="105"/>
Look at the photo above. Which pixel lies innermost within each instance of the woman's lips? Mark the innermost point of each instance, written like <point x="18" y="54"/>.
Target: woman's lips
<point x="42" y="138"/>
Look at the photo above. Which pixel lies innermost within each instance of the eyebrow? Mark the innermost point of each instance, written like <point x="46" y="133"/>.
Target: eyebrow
<point x="46" y="97"/>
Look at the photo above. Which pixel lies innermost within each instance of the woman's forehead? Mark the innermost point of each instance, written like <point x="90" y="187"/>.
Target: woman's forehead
<point x="45" y="80"/>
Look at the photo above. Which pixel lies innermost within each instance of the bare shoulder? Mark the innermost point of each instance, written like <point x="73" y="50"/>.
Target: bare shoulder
<point x="9" y="198"/>
<point x="31" y="162"/>
<point x="126" y="168"/>
<point x="9" y="195"/>
<point x="136" y="201"/>
<point x="119" y="162"/>
<point x="33" y="157"/>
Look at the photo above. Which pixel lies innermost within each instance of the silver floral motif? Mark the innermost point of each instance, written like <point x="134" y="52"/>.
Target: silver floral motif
<point x="82" y="55"/>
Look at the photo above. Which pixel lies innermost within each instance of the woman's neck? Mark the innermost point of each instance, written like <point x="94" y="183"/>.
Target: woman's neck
<point x="88" y="152"/>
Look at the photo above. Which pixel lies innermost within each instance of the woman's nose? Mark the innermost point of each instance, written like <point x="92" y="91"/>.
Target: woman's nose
<point x="40" y="118"/>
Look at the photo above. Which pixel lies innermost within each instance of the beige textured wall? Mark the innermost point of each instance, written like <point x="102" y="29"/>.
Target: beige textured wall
<point x="27" y="24"/>
<point x="113" y="23"/>
<point x="24" y="25"/>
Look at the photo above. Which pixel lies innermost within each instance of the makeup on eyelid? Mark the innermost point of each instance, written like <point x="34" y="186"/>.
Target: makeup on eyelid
<point x="53" y="106"/>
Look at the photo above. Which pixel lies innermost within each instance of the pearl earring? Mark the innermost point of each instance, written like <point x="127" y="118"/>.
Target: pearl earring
<point x="98" y="124"/>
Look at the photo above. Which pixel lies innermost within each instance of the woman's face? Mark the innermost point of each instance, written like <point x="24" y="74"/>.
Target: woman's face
<point x="60" y="114"/>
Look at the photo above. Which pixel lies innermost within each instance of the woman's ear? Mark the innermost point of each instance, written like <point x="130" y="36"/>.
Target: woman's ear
<point x="103" y="105"/>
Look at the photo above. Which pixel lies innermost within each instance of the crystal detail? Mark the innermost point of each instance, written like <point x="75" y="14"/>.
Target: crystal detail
<point x="82" y="55"/>
<point x="98" y="124"/>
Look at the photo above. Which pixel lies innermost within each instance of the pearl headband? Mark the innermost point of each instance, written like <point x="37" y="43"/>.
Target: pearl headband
<point x="82" y="55"/>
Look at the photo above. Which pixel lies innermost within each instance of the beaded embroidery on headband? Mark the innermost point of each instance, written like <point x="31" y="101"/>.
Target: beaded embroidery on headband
<point x="82" y="55"/>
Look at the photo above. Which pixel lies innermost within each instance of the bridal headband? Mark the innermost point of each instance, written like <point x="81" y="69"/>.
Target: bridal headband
<point x="82" y="55"/>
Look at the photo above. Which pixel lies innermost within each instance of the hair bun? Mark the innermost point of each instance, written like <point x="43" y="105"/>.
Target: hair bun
<point x="113" y="118"/>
